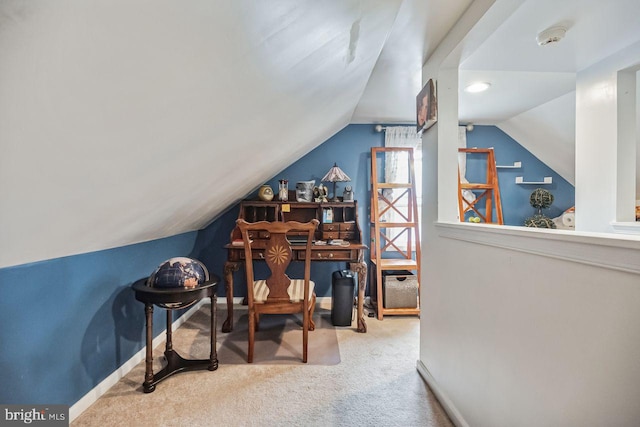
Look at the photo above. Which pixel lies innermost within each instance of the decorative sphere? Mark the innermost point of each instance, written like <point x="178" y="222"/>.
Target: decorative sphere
<point x="541" y="198"/>
<point x="180" y="272"/>
<point x="265" y="193"/>
<point x="539" y="221"/>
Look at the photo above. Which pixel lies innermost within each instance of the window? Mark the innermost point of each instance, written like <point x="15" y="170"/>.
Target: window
<point x="397" y="170"/>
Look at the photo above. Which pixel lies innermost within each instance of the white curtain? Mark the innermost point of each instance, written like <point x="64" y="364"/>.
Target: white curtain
<point x="399" y="136"/>
<point x="396" y="171"/>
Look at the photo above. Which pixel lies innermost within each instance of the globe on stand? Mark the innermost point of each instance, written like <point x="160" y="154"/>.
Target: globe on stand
<point x="179" y="272"/>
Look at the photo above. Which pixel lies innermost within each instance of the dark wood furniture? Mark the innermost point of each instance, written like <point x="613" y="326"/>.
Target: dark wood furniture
<point x="278" y="293"/>
<point x="344" y="222"/>
<point x="174" y="299"/>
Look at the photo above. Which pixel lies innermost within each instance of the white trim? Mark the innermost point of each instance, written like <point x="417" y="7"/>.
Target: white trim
<point x="92" y="396"/>
<point x="626" y="227"/>
<point x="445" y="402"/>
<point x="606" y="250"/>
<point x="323" y="302"/>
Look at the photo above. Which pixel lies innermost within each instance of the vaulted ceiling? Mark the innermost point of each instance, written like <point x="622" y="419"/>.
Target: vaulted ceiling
<point x="123" y="121"/>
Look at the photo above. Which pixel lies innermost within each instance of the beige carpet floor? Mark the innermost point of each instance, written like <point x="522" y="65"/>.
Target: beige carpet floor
<point x="351" y="379"/>
<point x="278" y="341"/>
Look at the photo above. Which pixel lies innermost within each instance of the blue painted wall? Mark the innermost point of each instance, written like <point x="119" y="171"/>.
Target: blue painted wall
<point x="69" y="322"/>
<point x="515" y="198"/>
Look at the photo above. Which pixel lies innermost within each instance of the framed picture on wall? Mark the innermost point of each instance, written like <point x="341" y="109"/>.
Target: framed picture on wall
<point x="426" y="107"/>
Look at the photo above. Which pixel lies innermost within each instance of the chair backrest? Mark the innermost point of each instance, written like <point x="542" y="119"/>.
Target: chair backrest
<point x="276" y="251"/>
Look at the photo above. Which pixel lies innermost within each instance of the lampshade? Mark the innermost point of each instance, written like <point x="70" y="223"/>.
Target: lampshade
<point x="334" y="175"/>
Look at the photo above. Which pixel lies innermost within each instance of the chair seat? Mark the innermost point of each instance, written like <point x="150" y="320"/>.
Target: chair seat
<point x="295" y="290"/>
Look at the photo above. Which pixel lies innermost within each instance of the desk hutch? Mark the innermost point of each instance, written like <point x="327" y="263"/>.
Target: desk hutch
<point x="338" y="220"/>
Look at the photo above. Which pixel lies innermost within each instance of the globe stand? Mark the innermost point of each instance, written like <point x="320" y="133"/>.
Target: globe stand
<point x="173" y="299"/>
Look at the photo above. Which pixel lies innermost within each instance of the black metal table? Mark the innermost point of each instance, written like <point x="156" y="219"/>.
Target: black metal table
<point x="175" y="299"/>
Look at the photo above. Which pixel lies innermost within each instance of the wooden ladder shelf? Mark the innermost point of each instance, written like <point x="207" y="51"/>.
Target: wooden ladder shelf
<point x="394" y="213"/>
<point x="489" y="191"/>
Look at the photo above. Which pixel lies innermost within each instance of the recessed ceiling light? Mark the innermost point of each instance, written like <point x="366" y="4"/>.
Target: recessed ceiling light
<point x="477" y="87"/>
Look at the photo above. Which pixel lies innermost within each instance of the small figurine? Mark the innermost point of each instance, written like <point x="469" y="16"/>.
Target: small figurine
<point x="320" y="193"/>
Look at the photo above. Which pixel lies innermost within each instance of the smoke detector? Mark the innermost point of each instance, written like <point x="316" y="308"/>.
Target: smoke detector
<point x="551" y="35"/>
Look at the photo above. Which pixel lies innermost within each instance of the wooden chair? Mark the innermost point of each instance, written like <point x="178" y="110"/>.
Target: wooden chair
<point x="278" y="294"/>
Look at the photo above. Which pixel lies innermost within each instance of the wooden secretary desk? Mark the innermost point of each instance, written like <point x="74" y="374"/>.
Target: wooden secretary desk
<point x="338" y="221"/>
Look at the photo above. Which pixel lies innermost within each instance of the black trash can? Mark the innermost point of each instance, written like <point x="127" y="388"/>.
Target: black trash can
<point x="342" y="291"/>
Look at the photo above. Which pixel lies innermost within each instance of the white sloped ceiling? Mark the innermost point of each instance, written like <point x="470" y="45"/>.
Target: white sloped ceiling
<point x="125" y="121"/>
<point x="548" y="132"/>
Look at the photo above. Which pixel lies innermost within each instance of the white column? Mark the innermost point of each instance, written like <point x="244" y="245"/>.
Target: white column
<point x="626" y="176"/>
<point x="605" y="168"/>
<point x="448" y="145"/>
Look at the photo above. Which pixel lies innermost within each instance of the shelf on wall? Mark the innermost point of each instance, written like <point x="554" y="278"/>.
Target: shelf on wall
<point x="516" y="165"/>
<point x="547" y="180"/>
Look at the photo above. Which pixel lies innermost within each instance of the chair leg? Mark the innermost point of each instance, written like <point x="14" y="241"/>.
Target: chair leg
<point x="305" y="335"/>
<point x="257" y="322"/>
<point x="252" y="326"/>
<point x="312" y="309"/>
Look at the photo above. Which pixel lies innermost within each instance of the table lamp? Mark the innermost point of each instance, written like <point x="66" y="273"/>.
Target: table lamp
<point x="334" y="175"/>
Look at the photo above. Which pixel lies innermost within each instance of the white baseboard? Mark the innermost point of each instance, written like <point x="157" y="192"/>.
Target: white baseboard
<point x="92" y="396"/>
<point x="323" y="302"/>
<point x="447" y="404"/>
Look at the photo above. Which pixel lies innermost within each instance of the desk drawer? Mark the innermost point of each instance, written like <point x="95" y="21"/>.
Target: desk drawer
<point x="339" y="226"/>
<point x="329" y="255"/>
<point x="347" y="235"/>
<point x="347" y="226"/>
<point x="330" y="235"/>
<point x="331" y="227"/>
